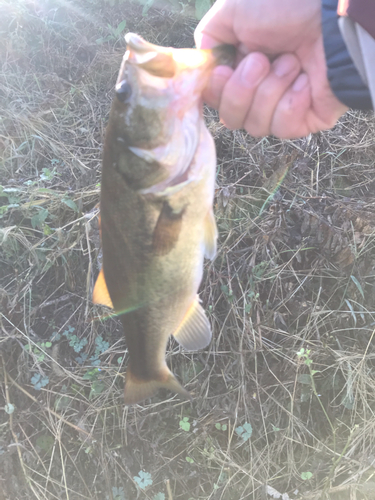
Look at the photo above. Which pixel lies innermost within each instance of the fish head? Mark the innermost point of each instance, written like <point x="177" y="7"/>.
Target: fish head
<point x="157" y="113"/>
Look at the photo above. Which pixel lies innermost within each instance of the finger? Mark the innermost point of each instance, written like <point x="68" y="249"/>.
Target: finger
<point x="284" y="71"/>
<point x="238" y="92"/>
<point x="291" y="116"/>
<point x="219" y="77"/>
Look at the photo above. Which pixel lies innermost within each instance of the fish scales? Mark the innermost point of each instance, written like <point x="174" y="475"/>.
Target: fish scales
<point x="157" y="192"/>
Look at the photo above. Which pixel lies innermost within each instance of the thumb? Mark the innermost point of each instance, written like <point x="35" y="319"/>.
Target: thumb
<point x="216" y="26"/>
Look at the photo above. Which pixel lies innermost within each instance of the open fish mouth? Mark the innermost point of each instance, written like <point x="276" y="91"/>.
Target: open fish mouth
<point x="165" y="62"/>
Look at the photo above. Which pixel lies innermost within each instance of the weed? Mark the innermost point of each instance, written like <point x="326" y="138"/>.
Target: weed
<point x="45" y="442"/>
<point x="9" y="198"/>
<point x="39" y="381"/>
<point x="75" y="342"/>
<point x="185" y="424"/>
<point x="118" y="493"/>
<point x="143" y="480"/>
<point x="40" y="351"/>
<point x="304" y="354"/>
<point x="244" y="431"/>
<point x="70" y="203"/>
<point x="113" y="33"/>
<point x="159" y="496"/>
<point x="38" y="220"/>
<point x="227" y="292"/>
<point x="9" y="408"/>
<point x="221" y="427"/>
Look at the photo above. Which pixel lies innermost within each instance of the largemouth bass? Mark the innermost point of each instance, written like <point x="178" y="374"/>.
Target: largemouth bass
<point x="157" y="223"/>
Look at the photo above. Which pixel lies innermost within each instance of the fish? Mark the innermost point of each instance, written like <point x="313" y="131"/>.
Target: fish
<point x="156" y="207"/>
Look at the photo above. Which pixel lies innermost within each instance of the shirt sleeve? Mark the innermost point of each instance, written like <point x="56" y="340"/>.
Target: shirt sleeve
<point x="349" y="83"/>
<point x="363" y="13"/>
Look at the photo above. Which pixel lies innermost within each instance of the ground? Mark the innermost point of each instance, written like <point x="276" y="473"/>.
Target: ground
<point x="284" y="398"/>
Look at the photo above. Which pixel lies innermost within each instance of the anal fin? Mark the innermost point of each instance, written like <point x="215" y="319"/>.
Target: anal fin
<point x="136" y="390"/>
<point x="100" y="294"/>
<point x="194" y="333"/>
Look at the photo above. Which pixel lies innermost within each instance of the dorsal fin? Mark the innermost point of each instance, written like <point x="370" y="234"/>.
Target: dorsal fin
<point x="100" y="294"/>
<point x="194" y="333"/>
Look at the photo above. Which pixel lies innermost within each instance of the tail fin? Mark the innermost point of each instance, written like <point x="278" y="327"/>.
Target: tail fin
<point x="136" y="390"/>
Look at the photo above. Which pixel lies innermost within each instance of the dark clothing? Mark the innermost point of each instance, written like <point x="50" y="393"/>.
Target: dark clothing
<point x="363" y="13"/>
<point x="344" y="78"/>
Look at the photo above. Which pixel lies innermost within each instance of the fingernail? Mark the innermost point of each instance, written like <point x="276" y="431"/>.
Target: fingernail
<point x="284" y="65"/>
<point x="252" y="71"/>
<point x="301" y="82"/>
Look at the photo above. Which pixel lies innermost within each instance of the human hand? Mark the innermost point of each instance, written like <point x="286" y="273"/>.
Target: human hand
<point x="289" y="97"/>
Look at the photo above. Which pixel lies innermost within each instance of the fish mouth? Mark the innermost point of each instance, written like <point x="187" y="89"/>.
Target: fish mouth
<point x="157" y="61"/>
<point x="166" y="62"/>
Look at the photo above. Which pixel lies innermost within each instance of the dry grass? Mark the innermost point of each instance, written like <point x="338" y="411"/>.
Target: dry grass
<point x="295" y="270"/>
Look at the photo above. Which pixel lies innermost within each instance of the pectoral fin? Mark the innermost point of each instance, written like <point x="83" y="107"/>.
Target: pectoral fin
<point x="210" y="235"/>
<point x="167" y="230"/>
<point x="194" y="333"/>
<point x="136" y="390"/>
<point x="100" y="294"/>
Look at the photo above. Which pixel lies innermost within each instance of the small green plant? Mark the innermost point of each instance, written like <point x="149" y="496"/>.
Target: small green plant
<point x="38" y="220"/>
<point x="306" y="475"/>
<point x="184" y="424"/>
<point x="304" y="355"/>
<point x="100" y="347"/>
<point x="117" y="493"/>
<point x="9" y="408"/>
<point x="45" y="442"/>
<point x="143" y="480"/>
<point x="221" y="427"/>
<point x="222" y="479"/>
<point x="113" y="33"/>
<point x="47" y="174"/>
<point x="227" y="292"/>
<point x="159" y="496"/>
<point x="244" y="431"/>
<point x="38" y="351"/>
<point x="97" y="386"/>
<point x="38" y="381"/>
<point x="12" y="196"/>
<point x="74" y="341"/>
<point x="62" y="402"/>
<point x="70" y="203"/>
<point x="189" y="460"/>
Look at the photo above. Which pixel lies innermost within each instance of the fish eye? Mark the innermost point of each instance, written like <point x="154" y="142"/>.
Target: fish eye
<point x="123" y="91"/>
